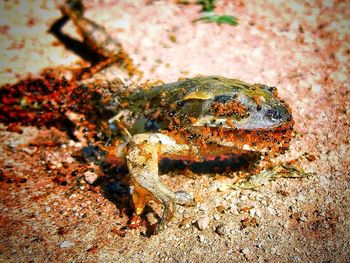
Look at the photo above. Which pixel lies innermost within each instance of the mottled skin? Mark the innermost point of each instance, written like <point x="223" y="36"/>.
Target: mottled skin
<point x="193" y="119"/>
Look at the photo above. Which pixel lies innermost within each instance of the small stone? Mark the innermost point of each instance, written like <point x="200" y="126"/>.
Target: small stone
<point x="47" y="209"/>
<point x="30" y="150"/>
<point x="274" y="250"/>
<point x="252" y="212"/>
<point x="316" y="88"/>
<point x="271" y="210"/>
<point x="234" y="211"/>
<point x="264" y="202"/>
<point x="66" y="244"/>
<point x="216" y="217"/>
<point x="69" y="159"/>
<point x="245" y="251"/>
<point x="78" y="145"/>
<point x="203" y="222"/>
<point x="293" y="208"/>
<point x="258" y="213"/>
<point x="221" y="230"/>
<point x="303" y="218"/>
<point x="184" y="198"/>
<point x="202" y="207"/>
<point x="90" y="177"/>
<point x="297" y="259"/>
<point x="201" y="238"/>
<point x="244" y="197"/>
<point x="255" y="212"/>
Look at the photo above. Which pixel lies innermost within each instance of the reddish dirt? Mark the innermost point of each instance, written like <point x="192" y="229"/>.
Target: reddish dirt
<point x="50" y="213"/>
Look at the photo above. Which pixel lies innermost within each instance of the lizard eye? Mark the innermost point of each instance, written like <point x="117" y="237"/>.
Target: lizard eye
<point x="151" y="125"/>
<point x="273" y="114"/>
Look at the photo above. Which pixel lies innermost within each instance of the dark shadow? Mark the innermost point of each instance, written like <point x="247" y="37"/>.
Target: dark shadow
<point x="81" y="49"/>
<point x="115" y="183"/>
<point x="231" y="163"/>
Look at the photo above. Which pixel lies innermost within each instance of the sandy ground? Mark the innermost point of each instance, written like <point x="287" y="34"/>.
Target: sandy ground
<point x="50" y="214"/>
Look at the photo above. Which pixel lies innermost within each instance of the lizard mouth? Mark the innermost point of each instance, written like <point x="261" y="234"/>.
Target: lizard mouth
<point x="272" y="140"/>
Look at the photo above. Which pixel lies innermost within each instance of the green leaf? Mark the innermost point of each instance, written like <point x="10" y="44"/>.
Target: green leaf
<point x="224" y="19"/>
<point x="207" y="5"/>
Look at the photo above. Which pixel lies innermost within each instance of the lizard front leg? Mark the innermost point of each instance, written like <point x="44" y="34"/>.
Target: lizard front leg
<point x="143" y="153"/>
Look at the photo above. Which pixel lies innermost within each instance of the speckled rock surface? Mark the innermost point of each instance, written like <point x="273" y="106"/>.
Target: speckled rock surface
<point x="303" y="49"/>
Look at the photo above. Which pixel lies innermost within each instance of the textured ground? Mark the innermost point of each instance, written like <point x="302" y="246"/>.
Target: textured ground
<point x="49" y="213"/>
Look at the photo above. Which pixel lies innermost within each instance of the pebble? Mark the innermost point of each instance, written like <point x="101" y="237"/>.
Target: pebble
<point x="66" y="244"/>
<point x="75" y="144"/>
<point x="203" y="222"/>
<point x="264" y="202"/>
<point x="30" y="150"/>
<point x="90" y="177"/>
<point x="271" y="210"/>
<point x="78" y="145"/>
<point x="244" y="197"/>
<point x="201" y="238"/>
<point x="297" y="259"/>
<point x="54" y="165"/>
<point x="293" y="208"/>
<point x="255" y="212"/>
<point x="221" y="230"/>
<point x="183" y="198"/>
<point x="216" y="217"/>
<point x="245" y="251"/>
<point x="234" y="211"/>
<point x="303" y="218"/>
<point x="69" y="159"/>
<point x="202" y="207"/>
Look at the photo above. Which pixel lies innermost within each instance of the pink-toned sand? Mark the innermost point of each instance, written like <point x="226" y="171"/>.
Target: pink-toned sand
<point x="303" y="49"/>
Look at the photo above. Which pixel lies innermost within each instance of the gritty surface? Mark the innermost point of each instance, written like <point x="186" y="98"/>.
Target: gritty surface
<point x="50" y="213"/>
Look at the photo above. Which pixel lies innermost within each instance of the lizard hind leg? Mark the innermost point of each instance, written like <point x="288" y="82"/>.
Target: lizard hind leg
<point x="108" y="51"/>
<point x="142" y="157"/>
<point x="95" y="35"/>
